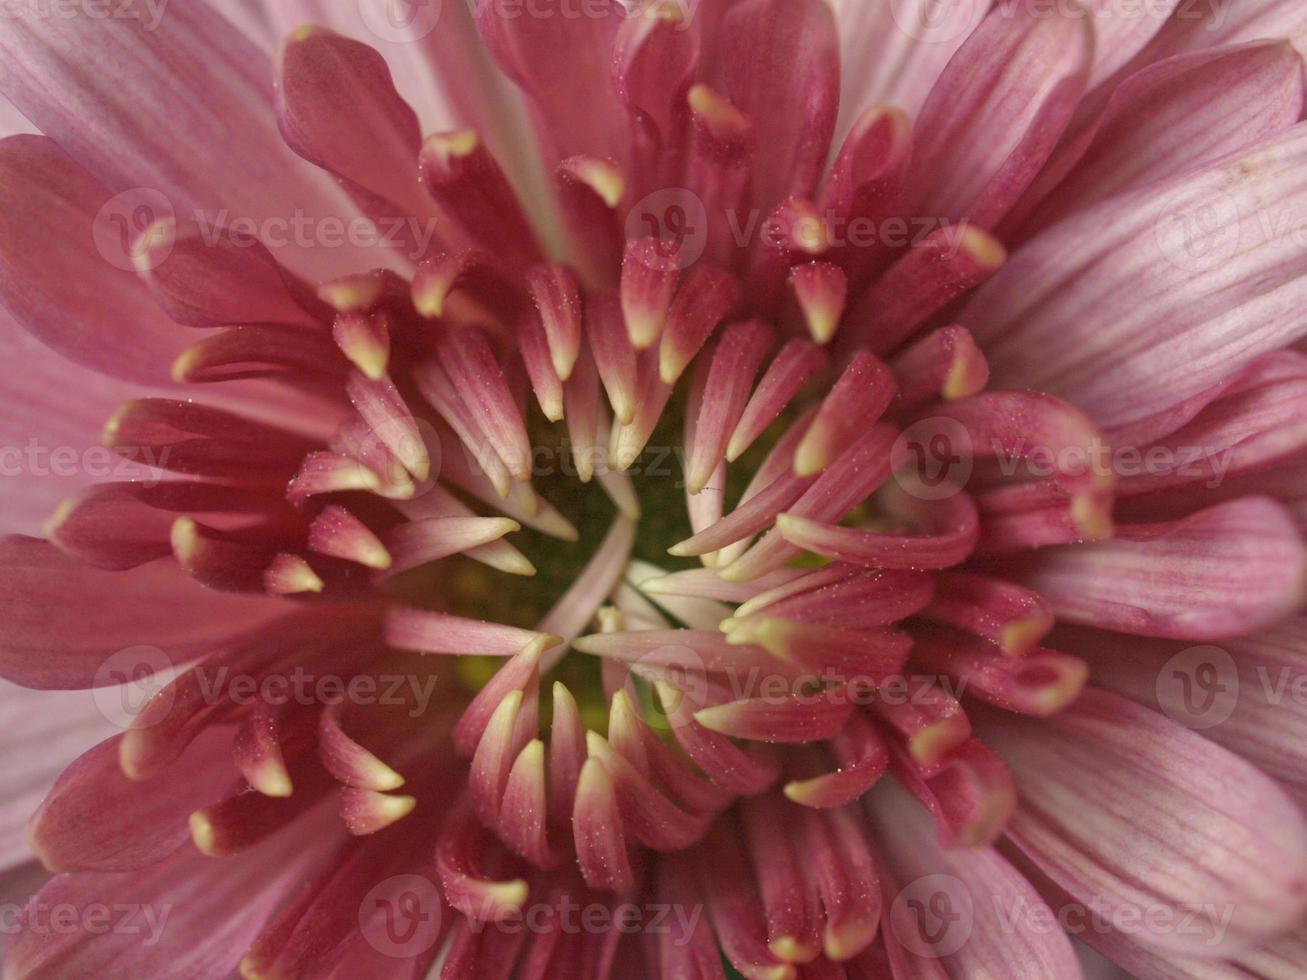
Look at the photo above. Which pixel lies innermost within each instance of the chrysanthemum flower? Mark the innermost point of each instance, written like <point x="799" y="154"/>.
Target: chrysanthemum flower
<point x="782" y="488"/>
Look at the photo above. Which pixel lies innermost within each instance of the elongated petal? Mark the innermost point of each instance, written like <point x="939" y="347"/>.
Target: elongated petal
<point x="1173" y="288"/>
<point x="1222" y="572"/>
<point x="1125" y="808"/>
<point x="984" y="918"/>
<point x="997" y="112"/>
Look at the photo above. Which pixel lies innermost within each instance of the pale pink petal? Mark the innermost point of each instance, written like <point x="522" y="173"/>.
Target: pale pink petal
<point x="1149" y="298"/>
<point x="1221" y="572"/>
<point x="1125" y="809"/>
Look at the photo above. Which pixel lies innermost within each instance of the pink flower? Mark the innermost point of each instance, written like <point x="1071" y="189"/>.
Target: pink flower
<point x="947" y="347"/>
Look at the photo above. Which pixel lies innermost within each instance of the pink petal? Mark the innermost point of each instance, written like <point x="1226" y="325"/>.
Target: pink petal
<point x="782" y="71"/>
<point x="97" y="819"/>
<point x="214" y="910"/>
<point x="997" y="112"/>
<point x="1201" y="100"/>
<point x="964" y="898"/>
<point x="1132" y="812"/>
<point x="155" y="604"/>
<point x="84" y="301"/>
<point x="1225" y="571"/>
<point x="893" y="53"/>
<point x="1154" y="308"/>
<point x="163" y="124"/>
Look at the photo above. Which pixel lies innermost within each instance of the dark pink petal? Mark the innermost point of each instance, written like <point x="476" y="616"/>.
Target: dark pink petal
<point x="838" y="857"/>
<point x="597" y="828"/>
<point x="337" y="107"/>
<point x="205" y="277"/>
<point x="281" y="353"/>
<point x="365" y="339"/>
<point x="719" y="171"/>
<point x="463" y="177"/>
<point x="1126" y="809"/>
<point x="96" y="818"/>
<point x="1004" y="613"/>
<point x="799" y="718"/>
<point x="849" y="480"/>
<point x="946" y="264"/>
<point x="857" y="399"/>
<point x="735" y="363"/>
<point x="562" y="62"/>
<point x="649" y="281"/>
<point x="591" y="191"/>
<point x="1225" y="571"/>
<point x="863" y="757"/>
<point x="214" y="910"/>
<point x="460" y="859"/>
<point x="929" y="719"/>
<point x="614" y="356"/>
<point x="969" y="792"/>
<point x="788" y="372"/>
<point x="707" y="295"/>
<point x="1040" y="683"/>
<point x="418" y="542"/>
<point x="434" y="632"/>
<point x="155" y="604"/>
<point x="340" y="534"/>
<point x="950" y="545"/>
<point x="390" y="421"/>
<point x="945" y="364"/>
<point x="726" y="763"/>
<point x="782" y="70"/>
<point x="737" y="913"/>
